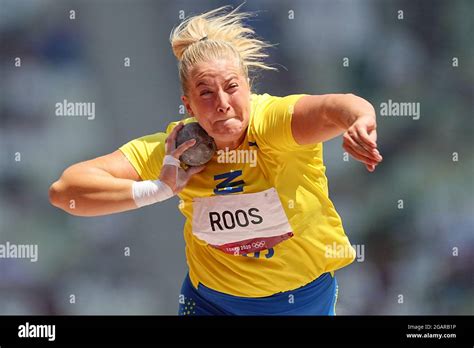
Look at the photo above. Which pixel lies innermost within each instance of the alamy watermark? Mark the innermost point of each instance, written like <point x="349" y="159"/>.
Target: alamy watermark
<point x="77" y="109"/>
<point x="408" y="109"/>
<point x="237" y="156"/>
<point x="335" y="250"/>
<point x="28" y="330"/>
<point x="19" y="251"/>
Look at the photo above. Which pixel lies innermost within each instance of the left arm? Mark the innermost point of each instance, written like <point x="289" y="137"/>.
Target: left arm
<point x="318" y="118"/>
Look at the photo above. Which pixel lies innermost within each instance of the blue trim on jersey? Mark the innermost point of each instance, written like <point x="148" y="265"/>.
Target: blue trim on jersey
<point x="316" y="298"/>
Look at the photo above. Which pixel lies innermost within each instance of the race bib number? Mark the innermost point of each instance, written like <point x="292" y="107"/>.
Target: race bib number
<point x="243" y="223"/>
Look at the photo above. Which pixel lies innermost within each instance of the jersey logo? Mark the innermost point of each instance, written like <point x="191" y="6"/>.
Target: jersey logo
<point x="253" y="143"/>
<point x="228" y="185"/>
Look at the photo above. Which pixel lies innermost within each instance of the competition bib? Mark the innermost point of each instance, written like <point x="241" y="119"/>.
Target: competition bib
<point x="241" y="224"/>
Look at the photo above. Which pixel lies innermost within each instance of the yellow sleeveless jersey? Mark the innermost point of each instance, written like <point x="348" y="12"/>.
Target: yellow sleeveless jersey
<point x="258" y="219"/>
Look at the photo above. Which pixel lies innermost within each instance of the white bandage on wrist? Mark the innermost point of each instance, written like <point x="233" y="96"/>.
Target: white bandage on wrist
<point x="150" y="191"/>
<point x="171" y="161"/>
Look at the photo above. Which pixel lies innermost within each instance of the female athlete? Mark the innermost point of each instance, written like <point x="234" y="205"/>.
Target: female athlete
<point x="262" y="237"/>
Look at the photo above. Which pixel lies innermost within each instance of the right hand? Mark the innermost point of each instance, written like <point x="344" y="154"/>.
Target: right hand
<point x="177" y="178"/>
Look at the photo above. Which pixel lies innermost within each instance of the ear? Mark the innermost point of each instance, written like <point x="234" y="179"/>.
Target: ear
<point x="187" y="104"/>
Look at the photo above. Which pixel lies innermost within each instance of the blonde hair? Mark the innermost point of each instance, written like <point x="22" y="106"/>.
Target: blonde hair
<point x="217" y="34"/>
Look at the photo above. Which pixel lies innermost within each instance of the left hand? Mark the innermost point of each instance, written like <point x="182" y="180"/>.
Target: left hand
<point x="360" y="141"/>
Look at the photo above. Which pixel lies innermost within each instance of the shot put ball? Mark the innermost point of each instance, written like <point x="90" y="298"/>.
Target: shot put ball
<point x="204" y="148"/>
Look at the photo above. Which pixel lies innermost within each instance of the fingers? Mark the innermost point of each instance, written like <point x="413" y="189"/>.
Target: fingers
<point x="361" y="137"/>
<point x="352" y="140"/>
<point x="183" y="147"/>
<point x="373" y="136"/>
<point x="364" y="136"/>
<point x="360" y="157"/>
<point x="370" y="167"/>
<point x="363" y="146"/>
<point x="170" y="143"/>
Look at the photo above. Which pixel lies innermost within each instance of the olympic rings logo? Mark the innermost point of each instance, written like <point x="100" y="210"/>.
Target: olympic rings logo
<point x="258" y="245"/>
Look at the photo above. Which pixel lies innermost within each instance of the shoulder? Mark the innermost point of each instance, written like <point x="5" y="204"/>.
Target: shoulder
<point x="270" y="121"/>
<point x="261" y="103"/>
<point x="271" y="110"/>
<point x="151" y="139"/>
<point x="258" y="104"/>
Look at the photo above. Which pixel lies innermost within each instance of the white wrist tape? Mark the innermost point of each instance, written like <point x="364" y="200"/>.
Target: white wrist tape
<point x="171" y="161"/>
<point x="149" y="192"/>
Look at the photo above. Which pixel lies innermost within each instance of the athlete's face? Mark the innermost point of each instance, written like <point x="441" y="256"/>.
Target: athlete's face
<point x="219" y="98"/>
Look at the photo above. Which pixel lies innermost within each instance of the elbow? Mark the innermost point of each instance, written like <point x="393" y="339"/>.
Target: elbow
<point x="55" y="194"/>
<point x="58" y="198"/>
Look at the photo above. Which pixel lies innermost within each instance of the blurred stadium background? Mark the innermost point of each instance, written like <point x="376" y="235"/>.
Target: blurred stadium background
<point x="424" y="252"/>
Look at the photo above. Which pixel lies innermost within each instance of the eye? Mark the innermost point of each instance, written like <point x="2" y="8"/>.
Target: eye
<point x="233" y="85"/>
<point x="205" y="92"/>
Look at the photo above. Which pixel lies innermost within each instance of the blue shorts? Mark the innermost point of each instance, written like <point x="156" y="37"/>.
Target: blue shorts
<point x="316" y="298"/>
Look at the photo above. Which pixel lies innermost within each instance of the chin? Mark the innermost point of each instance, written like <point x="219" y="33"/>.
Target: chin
<point x="228" y="135"/>
<point x="232" y="129"/>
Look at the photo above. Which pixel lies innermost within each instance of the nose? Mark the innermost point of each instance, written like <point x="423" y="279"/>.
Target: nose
<point x="223" y="105"/>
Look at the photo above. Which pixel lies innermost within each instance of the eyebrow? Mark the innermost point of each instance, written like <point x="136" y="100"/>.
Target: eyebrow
<point x="201" y="82"/>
